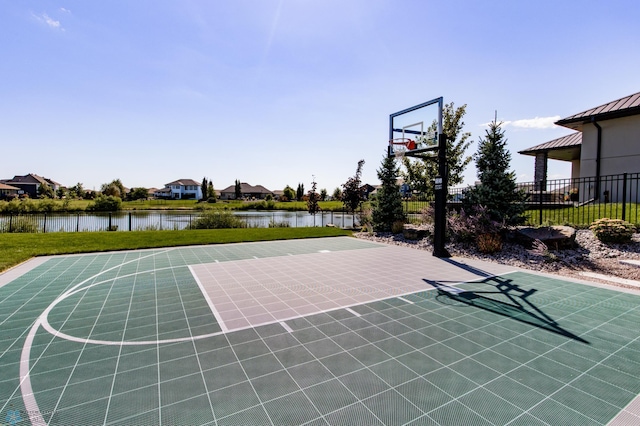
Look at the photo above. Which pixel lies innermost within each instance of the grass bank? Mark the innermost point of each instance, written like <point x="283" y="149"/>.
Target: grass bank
<point x="17" y="248"/>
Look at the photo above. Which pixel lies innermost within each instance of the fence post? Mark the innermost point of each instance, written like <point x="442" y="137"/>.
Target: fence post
<point x="44" y="224"/>
<point x="109" y="228"/>
<point x="540" y="200"/>
<point x="10" y="222"/>
<point x="624" y="196"/>
<point x="129" y="221"/>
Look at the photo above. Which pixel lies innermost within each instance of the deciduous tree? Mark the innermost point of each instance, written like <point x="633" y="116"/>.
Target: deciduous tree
<point x="351" y="190"/>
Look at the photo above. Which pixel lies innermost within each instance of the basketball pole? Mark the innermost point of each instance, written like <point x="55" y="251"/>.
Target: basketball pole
<point x="440" y="219"/>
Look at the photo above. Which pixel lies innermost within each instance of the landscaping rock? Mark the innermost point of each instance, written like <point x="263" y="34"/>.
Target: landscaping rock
<point x="413" y="232"/>
<point x="554" y="237"/>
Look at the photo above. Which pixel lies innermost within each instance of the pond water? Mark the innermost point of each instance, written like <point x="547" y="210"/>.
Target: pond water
<point x="163" y="220"/>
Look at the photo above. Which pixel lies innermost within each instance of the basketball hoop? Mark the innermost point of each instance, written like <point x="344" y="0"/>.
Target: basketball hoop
<point x="400" y="146"/>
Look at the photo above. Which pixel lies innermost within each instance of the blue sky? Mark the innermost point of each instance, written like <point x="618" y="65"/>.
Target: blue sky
<point x="273" y="92"/>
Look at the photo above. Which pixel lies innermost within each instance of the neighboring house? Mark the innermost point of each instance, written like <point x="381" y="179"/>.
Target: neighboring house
<point x="181" y="189"/>
<point x="367" y="190"/>
<point x="606" y="143"/>
<point x="249" y="192"/>
<point x="29" y="184"/>
<point x="8" y="191"/>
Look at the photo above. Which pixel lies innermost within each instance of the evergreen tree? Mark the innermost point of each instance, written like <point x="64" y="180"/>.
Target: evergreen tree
<point x="211" y="192"/>
<point x="300" y="192"/>
<point x="238" y="190"/>
<point x="352" y="191"/>
<point x="323" y="194"/>
<point x="204" y="188"/>
<point x="337" y="194"/>
<point x="497" y="191"/>
<point x="387" y="206"/>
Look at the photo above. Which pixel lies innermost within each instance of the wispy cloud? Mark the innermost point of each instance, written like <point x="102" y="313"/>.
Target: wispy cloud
<point x="62" y="9"/>
<point x="536" y="123"/>
<point x="48" y="21"/>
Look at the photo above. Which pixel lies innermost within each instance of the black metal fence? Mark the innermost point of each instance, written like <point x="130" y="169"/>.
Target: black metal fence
<point x="153" y="220"/>
<point x="576" y="202"/>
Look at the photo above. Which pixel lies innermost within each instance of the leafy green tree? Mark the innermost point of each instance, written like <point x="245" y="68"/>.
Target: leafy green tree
<point x="77" y="190"/>
<point x="387" y="206"/>
<point x="352" y="191"/>
<point x="420" y="174"/>
<point x="62" y="192"/>
<point x="312" y="200"/>
<point x="115" y="188"/>
<point x="238" y="190"/>
<point x="105" y="203"/>
<point x="45" y="191"/>
<point x="300" y="192"/>
<point x="497" y="191"/>
<point x="337" y="194"/>
<point x="289" y="193"/>
<point x="139" y="193"/>
<point x="323" y="194"/>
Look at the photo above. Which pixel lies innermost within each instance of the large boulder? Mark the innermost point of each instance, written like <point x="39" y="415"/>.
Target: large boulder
<point x="414" y="232"/>
<point x="554" y="237"/>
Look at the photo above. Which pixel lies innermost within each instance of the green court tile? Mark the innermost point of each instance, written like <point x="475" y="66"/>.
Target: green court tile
<point x="414" y="323"/>
<point x="514" y="392"/>
<point x="455" y="413"/>
<point x="341" y="364"/>
<point x="393" y="372"/>
<point x="437" y="333"/>
<point x="186" y="366"/>
<point x="250" y="349"/>
<point x="395" y="328"/>
<point x="270" y="330"/>
<point x="298" y="323"/>
<point x="181" y="389"/>
<point x="397" y="313"/>
<point x="535" y="380"/>
<point x="392" y="408"/>
<point x="375" y="317"/>
<point x="147" y="332"/>
<point x="423" y="394"/>
<point x="617" y="378"/>
<point x="587" y="405"/>
<point x="252" y="416"/>
<point x="329" y="396"/>
<point x="294" y="356"/>
<point x="443" y="353"/>
<point x="625" y="361"/>
<point x="394" y="347"/>
<point x="554" y="413"/>
<point x="495" y="361"/>
<point x="134" y="379"/>
<point x="474" y="371"/>
<point x="585" y="351"/>
<point x="292" y="409"/>
<point x="514" y="352"/>
<point x="419" y="362"/>
<point x="416" y="340"/>
<point x="319" y="319"/>
<point x="340" y="314"/>
<point x="355" y="414"/>
<point x="373" y="334"/>
<point x="333" y="328"/>
<point x="363" y="383"/>
<point x="531" y="345"/>
<point x="86" y="391"/>
<point x="146" y="418"/>
<point x="216" y="358"/>
<point x="556" y="370"/>
<point x="527" y="419"/>
<point x="232" y="399"/>
<point x="194" y="411"/>
<point x="349" y="340"/>
<point x="261" y="365"/>
<point x="309" y="374"/>
<point x="456" y="327"/>
<point x="218" y="378"/>
<point x="205" y="329"/>
<point x="368" y="355"/>
<point x="355" y="323"/>
<point x="89" y="413"/>
<point x="281" y="341"/>
<point x="463" y="345"/>
<point x="323" y="347"/>
<point x="274" y="385"/>
<point x="490" y="406"/>
<point x="308" y="335"/>
<point x="450" y="382"/>
<point x="125" y="405"/>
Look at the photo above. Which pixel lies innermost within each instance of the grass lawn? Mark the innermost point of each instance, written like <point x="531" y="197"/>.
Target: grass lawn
<point x="17" y="248"/>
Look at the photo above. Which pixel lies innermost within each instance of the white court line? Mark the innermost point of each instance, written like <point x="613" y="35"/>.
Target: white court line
<point x="405" y="300"/>
<point x="352" y="311"/>
<point x="214" y="311"/>
<point x="285" y="326"/>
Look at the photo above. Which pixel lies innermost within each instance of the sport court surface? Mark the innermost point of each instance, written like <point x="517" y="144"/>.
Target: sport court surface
<point x="325" y="331"/>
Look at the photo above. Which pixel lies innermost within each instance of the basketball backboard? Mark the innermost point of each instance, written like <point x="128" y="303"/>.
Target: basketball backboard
<point x="415" y="130"/>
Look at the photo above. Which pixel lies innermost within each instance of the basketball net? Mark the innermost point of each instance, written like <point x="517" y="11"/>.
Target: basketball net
<point x="400" y="146"/>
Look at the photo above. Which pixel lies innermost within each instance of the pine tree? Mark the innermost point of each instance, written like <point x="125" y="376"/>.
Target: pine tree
<point x="238" y="190"/>
<point x="497" y="191"/>
<point x="387" y="206"/>
<point x="203" y="188"/>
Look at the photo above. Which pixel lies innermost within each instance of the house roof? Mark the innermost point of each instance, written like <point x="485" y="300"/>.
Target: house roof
<point x="245" y="188"/>
<point x="566" y="148"/>
<point x="183" y="182"/>
<point x="5" y="186"/>
<point x="624" y="107"/>
<point x="28" y="179"/>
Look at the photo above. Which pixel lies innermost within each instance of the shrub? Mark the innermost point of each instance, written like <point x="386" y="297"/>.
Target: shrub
<point x="106" y="203"/>
<point x="612" y="230"/>
<point x="19" y="224"/>
<point x="397" y="227"/>
<point x="280" y="224"/>
<point x="217" y="220"/>
<point x="489" y="242"/>
<point x="211" y="200"/>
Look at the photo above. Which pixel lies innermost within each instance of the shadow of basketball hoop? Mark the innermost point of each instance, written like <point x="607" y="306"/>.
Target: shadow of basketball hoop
<point x="503" y="297"/>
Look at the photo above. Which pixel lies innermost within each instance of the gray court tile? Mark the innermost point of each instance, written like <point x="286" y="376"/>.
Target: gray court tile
<point x="274" y="385"/>
<point x="233" y="399"/>
<point x="293" y="409"/>
<point x="455" y="413"/>
<point x="392" y="408"/>
<point x="323" y="347"/>
<point x="355" y="414"/>
<point x="364" y="383"/>
<point x="309" y="374"/>
<point x="261" y="365"/>
<point x="393" y="372"/>
<point x="330" y="396"/>
<point x="294" y="356"/>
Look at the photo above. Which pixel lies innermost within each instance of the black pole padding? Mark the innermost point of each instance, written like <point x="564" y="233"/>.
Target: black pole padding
<point x="440" y="225"/>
